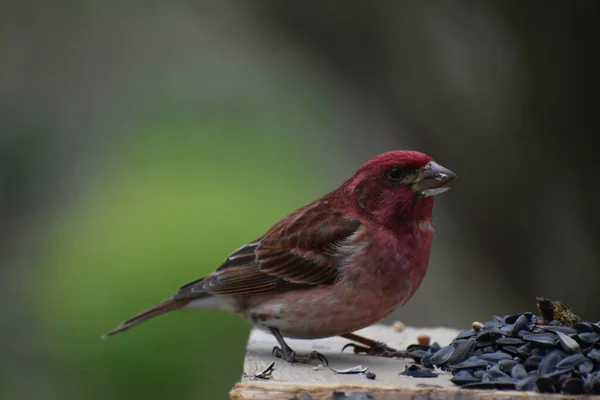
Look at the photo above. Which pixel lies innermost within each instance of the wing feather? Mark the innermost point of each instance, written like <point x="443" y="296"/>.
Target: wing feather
<point x="297" y="252"/>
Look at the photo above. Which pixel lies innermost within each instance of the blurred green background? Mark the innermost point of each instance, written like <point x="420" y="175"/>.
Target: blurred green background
<point x="140" y="143"/>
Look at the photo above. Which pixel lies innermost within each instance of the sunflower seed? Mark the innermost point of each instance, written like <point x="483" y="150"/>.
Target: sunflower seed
<point x="466" y="334"/>
<point x="463" y="377"/>
<point x="523" y="352"/>
<point x="359" y="369"/>
<point x="532" y="363"/>
<point x="526" y="384"/>
<point x="442" y="355"/>
<point x="571" y="361"/>
<point x="583" y="327"/>
<point x="518" y="372"/>
<point x="545" y="385"/>
<point x="495" y="357"/>
<point x="557" y="328"/>
<point x="471" y="363"/>
<point x="573" y="386"/>
<point x="586" y="366"/>
<point x="511" y="319"/>
<point x="506" y="366"/>
<point x="594" y="355"/>
<point x="418" y="372"/>
<point x="569" y="345"/>
<point x="509" y="341"/>
<point x="512" y="350"/>
<point x="589" y="337"/>
<point x="426" y="361"/>
<point x="549" y="363"/>
<point x="519" y="324"/>
<point x="544" y="339"/>
<point x="461" y="352"/>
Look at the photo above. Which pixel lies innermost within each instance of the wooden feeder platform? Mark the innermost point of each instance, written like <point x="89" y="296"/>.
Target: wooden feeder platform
<point x="319" y="382"/>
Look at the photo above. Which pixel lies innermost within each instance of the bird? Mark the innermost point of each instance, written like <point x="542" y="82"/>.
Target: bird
<point x="336" y="265"/>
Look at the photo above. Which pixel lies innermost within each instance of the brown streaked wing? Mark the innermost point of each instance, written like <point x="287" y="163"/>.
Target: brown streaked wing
<point x="297" y="252"/>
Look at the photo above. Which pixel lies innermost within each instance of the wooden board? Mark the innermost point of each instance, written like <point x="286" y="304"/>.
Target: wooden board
<point x="314" y="382"/>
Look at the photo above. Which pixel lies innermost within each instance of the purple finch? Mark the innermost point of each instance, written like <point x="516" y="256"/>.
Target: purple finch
<point x="334" y="266"/>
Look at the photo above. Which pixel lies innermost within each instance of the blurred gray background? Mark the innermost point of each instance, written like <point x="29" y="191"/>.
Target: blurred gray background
<point x="141" y="142"/>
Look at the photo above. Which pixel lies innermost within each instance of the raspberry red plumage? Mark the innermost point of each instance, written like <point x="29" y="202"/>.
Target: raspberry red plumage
<point x="335" y="265"/>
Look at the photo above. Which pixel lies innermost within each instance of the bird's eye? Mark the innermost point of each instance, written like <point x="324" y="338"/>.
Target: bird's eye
<point x="396" y="173"/>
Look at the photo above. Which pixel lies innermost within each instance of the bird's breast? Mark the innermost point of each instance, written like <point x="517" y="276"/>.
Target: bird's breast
<point x="375" y="278"/>
<point x="391" y="266"/>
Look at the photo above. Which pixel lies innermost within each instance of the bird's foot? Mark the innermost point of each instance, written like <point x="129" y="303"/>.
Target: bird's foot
<point x="290" y="355"/>
<point x="378" y="349"/>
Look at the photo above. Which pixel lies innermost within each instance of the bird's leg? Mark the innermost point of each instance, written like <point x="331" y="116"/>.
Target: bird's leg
<point x="372" y="348"/>
<point x="285" y="352"/>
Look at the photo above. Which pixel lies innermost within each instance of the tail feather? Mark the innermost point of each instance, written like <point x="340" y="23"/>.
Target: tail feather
<point x="154" y="311"/>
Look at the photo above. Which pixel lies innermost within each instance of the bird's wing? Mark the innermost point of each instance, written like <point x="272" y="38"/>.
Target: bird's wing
<point x="298" y="252"/>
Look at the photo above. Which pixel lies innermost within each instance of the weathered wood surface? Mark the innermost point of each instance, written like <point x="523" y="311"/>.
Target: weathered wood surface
<point x="313" y="382"/>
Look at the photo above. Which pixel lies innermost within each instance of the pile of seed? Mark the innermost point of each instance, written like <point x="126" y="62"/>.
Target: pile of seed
<point x="520" y="352"/>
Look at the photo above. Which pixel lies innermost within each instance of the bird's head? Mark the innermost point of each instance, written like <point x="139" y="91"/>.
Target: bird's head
<point x="398" y="187"/>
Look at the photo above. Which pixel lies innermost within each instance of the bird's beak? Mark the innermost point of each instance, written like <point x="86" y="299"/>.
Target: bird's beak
<point x="433" y="179"/>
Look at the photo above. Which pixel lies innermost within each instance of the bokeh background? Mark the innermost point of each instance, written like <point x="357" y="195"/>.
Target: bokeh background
<point x="141" y="142"/>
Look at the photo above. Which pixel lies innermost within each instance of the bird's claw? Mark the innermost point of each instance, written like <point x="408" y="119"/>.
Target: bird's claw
<point x="290" y="355"/>
<point x="377" y="349"/>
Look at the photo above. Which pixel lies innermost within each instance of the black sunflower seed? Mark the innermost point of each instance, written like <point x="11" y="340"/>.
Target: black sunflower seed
<point x="573" y="386"/>
<point x="480" y="373"/>
<point x="419" y="354"/>
<point x="592" y="383"/>
<point x="586" y="366"/>
<point x="442" y="355"/>
<point x="589" y="337"/>
<point x="488" y="349"/>
<point x="506" y="366"/>
<point x="471" y="363"/>
<point x="461" y="352"/>
<point x="533" y="373"/>
<point x="542" y="339"/>
<point x="549" y="363"/>
<point x="418" y="372"/>
<point x="545" y="385"/>
<point x="568" y="344"/>
<point x="495" y="373"/>
<point x="492" y="333"/>
<point x="526" y="384"/>
<point x="532" y="363"/>
<point x="426" y="361"/>
<point x="524" y="351"/>
<point x="466" y="334"/>
<point x="558" y="374"/>
<point x="511" y="319"/>
<point x="519" y="324"/>
<point x="522" y="333"/>
<point x="518" y="372"/>
<point x="495" y="357"/>
<point x="421" y="347"/>
<point x="463" y="377"/>
<point x="512" y="350"/>
<point x="558" y="328"/>
<point x="540" y="351"/>
<point x="583" y="327"/>
<point x="594" y="355"/>
<point x="509" y="341"/>
<point x="571" y="361"/>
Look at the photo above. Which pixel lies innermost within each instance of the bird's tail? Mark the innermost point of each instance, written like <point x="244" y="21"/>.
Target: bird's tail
<point x="154" y="311"/>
